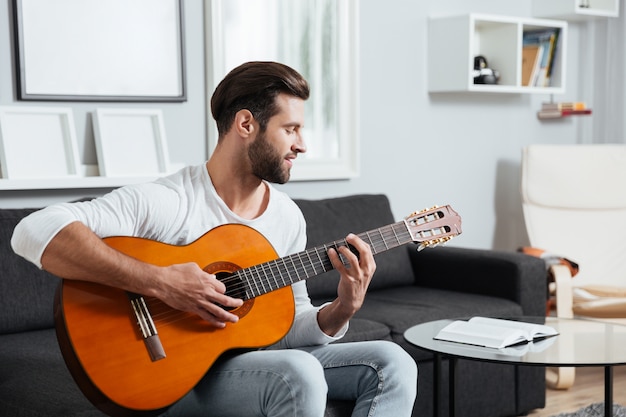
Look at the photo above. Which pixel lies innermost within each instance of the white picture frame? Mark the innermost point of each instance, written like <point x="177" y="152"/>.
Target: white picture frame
<point x="130" y="142"/>
<point x="114" y="50"/>
<point x="38" y="142"/>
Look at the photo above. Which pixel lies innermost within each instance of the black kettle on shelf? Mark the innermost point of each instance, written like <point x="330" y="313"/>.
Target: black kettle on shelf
<point x="482" y="73"/>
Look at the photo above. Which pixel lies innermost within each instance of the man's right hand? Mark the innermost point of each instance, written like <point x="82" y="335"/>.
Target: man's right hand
<point x="187" y="287"/>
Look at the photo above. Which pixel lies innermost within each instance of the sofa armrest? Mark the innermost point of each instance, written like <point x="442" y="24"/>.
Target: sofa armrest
<point x="511" y="275"/>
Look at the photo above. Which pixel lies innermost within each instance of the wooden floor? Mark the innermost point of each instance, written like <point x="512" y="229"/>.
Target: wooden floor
<point x="588" y="388"/>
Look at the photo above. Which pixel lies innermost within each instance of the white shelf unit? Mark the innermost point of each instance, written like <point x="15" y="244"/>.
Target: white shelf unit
<point x="575" y="10"/>
<point x="70" y="183"/>
<point x="454" y="41"/>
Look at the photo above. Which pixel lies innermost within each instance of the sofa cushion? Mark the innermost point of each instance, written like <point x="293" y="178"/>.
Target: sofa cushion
<point x="35" y="382"/>
<point x="26" y="292"/>
<point x="362" y="329"/>
<point x="332" y="219"/>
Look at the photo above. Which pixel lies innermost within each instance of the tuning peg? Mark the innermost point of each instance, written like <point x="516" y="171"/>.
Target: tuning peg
<point x="433" y="243"/>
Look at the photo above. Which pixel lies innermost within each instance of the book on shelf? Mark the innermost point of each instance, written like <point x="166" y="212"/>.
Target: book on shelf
<point x="556" y="113"/>
<point x="546" y="41"/>
<point x="554" y="41"/>
<point x="530" y="63"/>
<point x="564" y="105"/>
<point x="494" y="333"/>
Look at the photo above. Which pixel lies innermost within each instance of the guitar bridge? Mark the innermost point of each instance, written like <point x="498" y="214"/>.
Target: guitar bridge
<point x="147" y="327"/>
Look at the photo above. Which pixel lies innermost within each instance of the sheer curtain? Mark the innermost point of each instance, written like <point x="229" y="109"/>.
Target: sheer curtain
<point x="319" y="38"/>
<point x="608" y="37"/>
<point x="302" y="34"/>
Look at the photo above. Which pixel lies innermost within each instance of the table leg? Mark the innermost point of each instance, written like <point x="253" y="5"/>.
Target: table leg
<point x="436" y="382"/>
<point x="608" y="391"/>
<point x="452" y="386"/>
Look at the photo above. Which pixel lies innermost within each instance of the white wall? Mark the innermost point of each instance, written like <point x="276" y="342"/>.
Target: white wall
<point x="419" y="149"/>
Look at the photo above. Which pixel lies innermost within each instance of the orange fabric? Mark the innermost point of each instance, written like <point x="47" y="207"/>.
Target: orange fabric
<point x="550" y="258"/>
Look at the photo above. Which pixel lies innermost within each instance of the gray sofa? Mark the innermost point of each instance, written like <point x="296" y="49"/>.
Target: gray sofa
<point x="408" y="288"/>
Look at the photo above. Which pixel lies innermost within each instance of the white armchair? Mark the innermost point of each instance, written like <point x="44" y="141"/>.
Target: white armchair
<point x="574" y="204"/>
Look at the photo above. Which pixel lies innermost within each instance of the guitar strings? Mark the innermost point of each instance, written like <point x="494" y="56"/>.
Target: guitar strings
<point x="263" y="278"/>
<point x="264" y="273"/>
<point x="260" y="279"/>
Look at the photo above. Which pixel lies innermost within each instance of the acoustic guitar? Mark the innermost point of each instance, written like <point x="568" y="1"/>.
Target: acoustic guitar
<point x="134" y="355"/>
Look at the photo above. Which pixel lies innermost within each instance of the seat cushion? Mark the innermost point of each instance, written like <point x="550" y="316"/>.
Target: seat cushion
<point x="34" y="381"/>
<point x="26" y="292"/>
<point x="362" y="329"/>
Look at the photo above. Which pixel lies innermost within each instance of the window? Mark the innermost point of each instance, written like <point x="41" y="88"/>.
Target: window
<point x="319" y="38"/>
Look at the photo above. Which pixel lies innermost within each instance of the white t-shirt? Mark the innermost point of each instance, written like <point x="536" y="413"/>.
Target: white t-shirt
<point x="178" y="210"/>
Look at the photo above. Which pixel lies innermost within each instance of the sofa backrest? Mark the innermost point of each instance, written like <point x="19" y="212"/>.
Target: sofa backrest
<point x="26" y="292"/>
<point x="332" y="219"/>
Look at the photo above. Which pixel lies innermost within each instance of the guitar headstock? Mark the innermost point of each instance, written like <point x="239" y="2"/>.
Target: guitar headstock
<point x="434" y="226"/>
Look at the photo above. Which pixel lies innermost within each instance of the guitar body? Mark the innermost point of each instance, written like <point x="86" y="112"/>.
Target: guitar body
<point x="103" y="345"/>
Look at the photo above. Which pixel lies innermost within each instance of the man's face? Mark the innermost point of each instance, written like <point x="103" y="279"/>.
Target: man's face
<point x="273" y="151"/>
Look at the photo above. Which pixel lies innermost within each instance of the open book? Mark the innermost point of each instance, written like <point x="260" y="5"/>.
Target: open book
<point x="494" y="333"/>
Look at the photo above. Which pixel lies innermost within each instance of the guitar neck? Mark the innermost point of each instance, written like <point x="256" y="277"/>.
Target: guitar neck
<point x="260" y="279"/>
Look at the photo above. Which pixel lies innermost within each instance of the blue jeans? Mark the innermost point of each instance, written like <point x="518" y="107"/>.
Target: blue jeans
<point x="379" y="376"/>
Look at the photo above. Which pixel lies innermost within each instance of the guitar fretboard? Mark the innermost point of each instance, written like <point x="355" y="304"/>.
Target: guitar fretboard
<point x="260" y="279"/>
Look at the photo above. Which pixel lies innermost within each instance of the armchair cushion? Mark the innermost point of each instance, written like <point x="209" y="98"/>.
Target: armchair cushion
<point x="599" y="301"/>
<point x="508" y="275"/>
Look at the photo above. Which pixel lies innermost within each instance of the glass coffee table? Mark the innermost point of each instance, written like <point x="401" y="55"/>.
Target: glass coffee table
<point x="579" y="343"/>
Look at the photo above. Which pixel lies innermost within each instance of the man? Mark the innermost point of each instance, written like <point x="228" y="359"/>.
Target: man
<point x="259" y="110"/>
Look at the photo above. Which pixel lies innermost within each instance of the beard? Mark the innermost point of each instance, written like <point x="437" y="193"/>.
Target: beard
<point x="266" y="163"/>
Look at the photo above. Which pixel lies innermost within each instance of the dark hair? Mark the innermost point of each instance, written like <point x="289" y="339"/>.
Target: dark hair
<point x="254" y="86"/>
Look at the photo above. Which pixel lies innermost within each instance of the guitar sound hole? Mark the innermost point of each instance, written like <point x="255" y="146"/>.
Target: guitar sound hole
<point x="235" y="287"/>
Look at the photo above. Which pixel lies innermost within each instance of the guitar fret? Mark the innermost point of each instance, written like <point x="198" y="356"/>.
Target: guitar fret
<point x="259" y="272"/>
<point x="295" y="269"/>
<point x="249" y="290"/>
<point x="261" y="277"/>
<point x="272" y="267"/>
<point x="367" y="239"/>
<point x="314" y="269"/>
<point x="404" y="233"/>
<point x="286" y="269"/>
<point x="266" y="283"/>
<point x="256" y="284"/>
<point x="326" y="262"/>
<point x="381" y="245"/>
<point x="280" y="273"/>
<point x="372" y="243"/>
<point x="300" y="266"/>
<point x="319" y="258"/>
<point x="395" y="235"/>
<point x="380" y="232"/>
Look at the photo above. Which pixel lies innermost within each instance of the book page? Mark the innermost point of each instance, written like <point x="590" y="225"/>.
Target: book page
<point x="481" y="334"/>
<point x="532" y="330"/>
